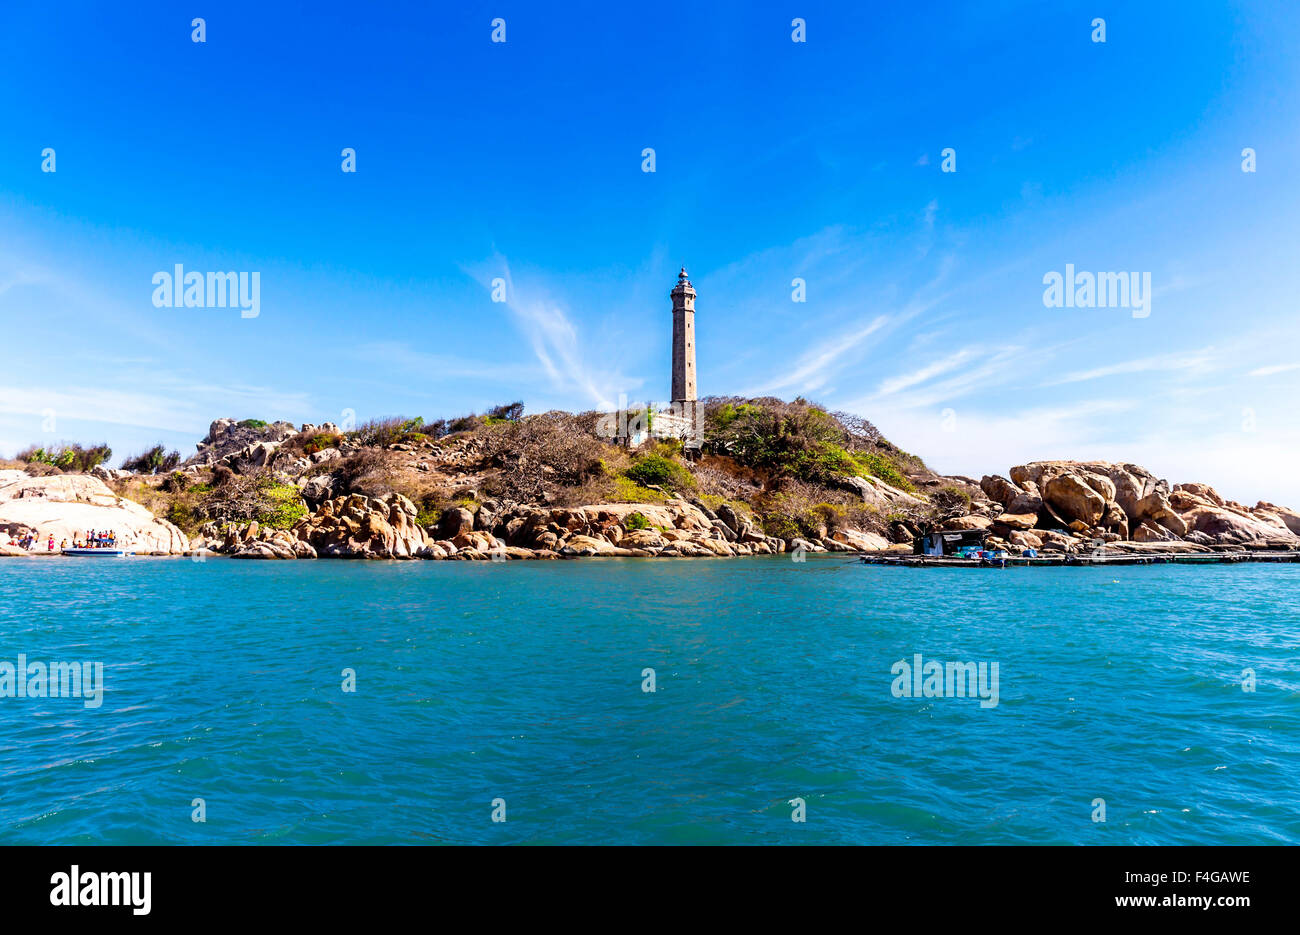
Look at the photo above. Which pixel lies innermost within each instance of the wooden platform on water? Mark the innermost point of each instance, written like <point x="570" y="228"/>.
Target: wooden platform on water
<point x="1081" y="561"/>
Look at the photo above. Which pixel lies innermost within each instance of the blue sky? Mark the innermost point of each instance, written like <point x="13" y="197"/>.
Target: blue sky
<point x="774" y="160"/>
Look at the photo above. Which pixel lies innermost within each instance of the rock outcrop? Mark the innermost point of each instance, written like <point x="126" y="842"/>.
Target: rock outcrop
<point x="1078" y="504"/>
<point x="1203" y="511"/>
<point x="876" y="492"/>
<point x="365" y="527"/>
<point x="67" y="505"/>
<point x="385" y="527"/>
<point x="229" y="439"/>
<point x="1071" y="506"/>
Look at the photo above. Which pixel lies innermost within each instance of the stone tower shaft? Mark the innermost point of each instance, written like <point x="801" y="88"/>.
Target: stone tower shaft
<point x="683" y="295"/>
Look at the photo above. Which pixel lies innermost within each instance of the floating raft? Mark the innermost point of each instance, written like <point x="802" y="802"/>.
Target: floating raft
<point x="1145" y="558"/>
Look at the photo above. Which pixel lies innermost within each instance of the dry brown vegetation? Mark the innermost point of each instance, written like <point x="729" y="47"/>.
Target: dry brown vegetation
<point x="537" y="452"/>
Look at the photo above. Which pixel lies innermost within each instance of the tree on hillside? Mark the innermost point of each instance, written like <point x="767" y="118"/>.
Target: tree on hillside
<point x="67" y="456"/>
<point x="156" y="460"/>
<point x="554" y="447"/>
<point x="509" y="412"/>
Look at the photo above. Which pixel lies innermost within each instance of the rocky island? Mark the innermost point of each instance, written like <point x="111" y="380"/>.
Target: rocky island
<point x="769" y="476"/>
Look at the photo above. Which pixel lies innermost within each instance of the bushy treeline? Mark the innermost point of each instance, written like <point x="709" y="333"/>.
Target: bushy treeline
<point x="67" y="456"/>
<point x="803" y="441"/>
<point x="391" y="430"/>
<point x="223" y="497"/>
<point x="156" y="460"/>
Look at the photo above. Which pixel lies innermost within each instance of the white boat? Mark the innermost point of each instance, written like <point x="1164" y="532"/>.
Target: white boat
<point x="100" y="553"/>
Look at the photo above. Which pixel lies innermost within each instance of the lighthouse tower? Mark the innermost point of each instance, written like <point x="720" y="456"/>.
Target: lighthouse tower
<point x="683" y="343"/>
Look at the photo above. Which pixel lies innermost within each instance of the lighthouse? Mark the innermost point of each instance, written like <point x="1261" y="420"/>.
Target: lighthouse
<point x="682" y="417"/>
<point x="683" y="383"/>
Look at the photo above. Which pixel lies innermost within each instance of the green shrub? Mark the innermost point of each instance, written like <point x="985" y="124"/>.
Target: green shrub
<point x="282" y="505"/>
<point x="629" y="491"/>
<point x="728" y="413"/>
<point x="428" y="516"/>
<point x="832" y="514"/>
<point x="669" y="448"/>
<point x="179" y="514"/>
<point x="253" y="424"/>
<point x="320" y="441"/>
<point x="781" y="525"/>
<point x="822" y="463"/>
<point x="660" y="471"/>
<point x="636" y="521"/>
<point x="803" y="441"/>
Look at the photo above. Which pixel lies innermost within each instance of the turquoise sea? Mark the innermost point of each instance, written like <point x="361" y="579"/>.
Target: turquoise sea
<point x="523" y="682"/>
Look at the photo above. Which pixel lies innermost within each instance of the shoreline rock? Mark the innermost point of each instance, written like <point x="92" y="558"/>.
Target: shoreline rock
<point x="67" y="505"/>
<point x="1050" y="506"/>
<point x="1090" y="504"/>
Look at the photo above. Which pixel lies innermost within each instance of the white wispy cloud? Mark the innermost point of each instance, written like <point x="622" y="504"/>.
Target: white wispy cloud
<point x="918" y="389"/>
<point x="901" y="382"/>
<point x="1194" y="361"/>
<point x="160" y="400"/>
<point x="1272" y="369"/>
<point x="548" y="327"/>
<point x="816" y="366"/>
<point x="834" y="254"/>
